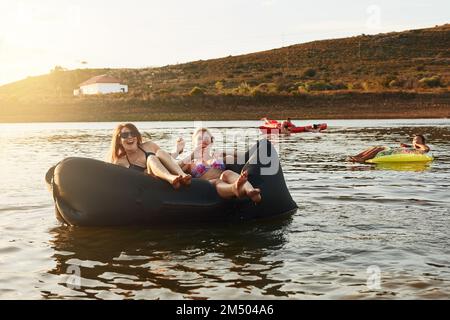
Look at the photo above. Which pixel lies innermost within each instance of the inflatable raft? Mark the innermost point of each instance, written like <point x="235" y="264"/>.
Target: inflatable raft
<point x="273" y="128"/>
<point x="89" y="192"/>
<point x="401" y="158"/>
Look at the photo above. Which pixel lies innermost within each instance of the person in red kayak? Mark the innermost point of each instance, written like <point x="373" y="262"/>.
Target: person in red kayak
<point x="314" y="128"/>
<point x="287" y="125"/>
<point x="268" y="122"/>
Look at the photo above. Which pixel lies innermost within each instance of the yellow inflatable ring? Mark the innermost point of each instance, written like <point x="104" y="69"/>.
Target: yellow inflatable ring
<point x="401" y="157"/>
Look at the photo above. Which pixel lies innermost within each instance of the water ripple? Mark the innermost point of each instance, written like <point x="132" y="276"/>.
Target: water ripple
<point x="351" y="217"/>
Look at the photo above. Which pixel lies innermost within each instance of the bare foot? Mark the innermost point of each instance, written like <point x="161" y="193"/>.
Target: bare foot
<point x="176" y="182"/>
<point x="358" y="160"/>
<point x="355" y="159"/>
<point x="239" y="184"/>
<point x="254" y="195"/>
<point x="186" y="180"/>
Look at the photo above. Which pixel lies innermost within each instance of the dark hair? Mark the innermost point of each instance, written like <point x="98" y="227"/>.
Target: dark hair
<point x="422" y="138"/>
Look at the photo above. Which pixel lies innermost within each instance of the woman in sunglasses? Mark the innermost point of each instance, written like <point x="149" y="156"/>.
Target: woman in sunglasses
<point x="128" y="150"/>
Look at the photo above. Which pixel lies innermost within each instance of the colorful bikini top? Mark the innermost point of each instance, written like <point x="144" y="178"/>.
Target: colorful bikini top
<point x="200" y="169"/>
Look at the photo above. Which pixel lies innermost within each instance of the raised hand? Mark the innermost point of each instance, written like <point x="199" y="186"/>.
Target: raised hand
<point x="180" y="145"/>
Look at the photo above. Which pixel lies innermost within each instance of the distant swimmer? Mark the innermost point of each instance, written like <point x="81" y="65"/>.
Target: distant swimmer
<point x="418" y="146"/>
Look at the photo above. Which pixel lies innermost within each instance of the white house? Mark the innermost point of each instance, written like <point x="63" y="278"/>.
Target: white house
<point x="101" y="85"/>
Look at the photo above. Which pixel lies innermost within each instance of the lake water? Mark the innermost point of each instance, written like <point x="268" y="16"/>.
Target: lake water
<point x="360" y="231"/>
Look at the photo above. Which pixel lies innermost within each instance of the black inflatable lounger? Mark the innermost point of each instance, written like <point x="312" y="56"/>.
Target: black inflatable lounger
<point x="89" y="192"/>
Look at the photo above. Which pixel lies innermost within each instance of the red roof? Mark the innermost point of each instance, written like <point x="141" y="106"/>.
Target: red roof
<point x="100" y="79"/>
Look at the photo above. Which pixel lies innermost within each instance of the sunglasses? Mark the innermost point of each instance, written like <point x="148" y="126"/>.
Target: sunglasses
<point x="126" y="135"/>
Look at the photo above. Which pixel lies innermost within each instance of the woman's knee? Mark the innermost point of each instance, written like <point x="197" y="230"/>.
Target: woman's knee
<point x="150" y="171"/>
<point x="226" y="175"/>
<point x="161" y="153"/>
<point x="152" y="160"/>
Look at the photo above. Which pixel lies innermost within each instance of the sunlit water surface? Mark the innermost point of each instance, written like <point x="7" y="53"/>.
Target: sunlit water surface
<point x="353" y="221"/>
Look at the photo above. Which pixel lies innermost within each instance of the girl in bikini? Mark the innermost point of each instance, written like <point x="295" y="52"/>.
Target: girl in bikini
<point x="202" y="163"/>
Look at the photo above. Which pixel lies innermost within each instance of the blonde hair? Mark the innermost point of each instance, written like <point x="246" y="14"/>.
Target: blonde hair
<point x="116" y="150"/>
<point x="202" y="131"/>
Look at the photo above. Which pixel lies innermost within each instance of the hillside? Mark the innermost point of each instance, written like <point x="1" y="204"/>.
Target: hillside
<point x="412" y="62"/>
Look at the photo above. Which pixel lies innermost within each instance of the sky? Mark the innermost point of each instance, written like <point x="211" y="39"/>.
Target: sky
<point x="36" y="35"/>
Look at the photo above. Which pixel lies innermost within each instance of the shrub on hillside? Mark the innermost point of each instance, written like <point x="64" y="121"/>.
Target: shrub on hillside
<point x="309" y="73"/>
<point x="264" y="89"/>
<point x="396" y="83"/>
<point x="355" y="86"/>
<point x="317" y="86"/>
<point x="431" y="82"/>
<point x="301" y="89"/>
<point x="197" y="91"/>
<point x="366" y="86"/>
<point x="243" y="89"/>
<point x="219" y="86"/>
<point x="282" y="85"/>
<point x="387" y="80"/>
<point x="338" y="86"/>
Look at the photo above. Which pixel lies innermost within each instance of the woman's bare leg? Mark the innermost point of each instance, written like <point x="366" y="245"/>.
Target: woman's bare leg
<point x="367" y="154"/>
<point x="224" y="189"/>
<point x="173" y="167"/>
<point x="371" y="153"/>
<point x="155" y="167"/>
<point x="230" y="190"/>
<point x="367" y="151"/>
<point x="246" y="188"/>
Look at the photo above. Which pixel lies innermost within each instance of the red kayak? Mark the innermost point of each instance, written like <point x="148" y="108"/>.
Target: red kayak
<point x="275" y="127"/>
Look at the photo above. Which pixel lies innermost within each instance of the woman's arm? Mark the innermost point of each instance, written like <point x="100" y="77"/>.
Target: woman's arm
<point x="422" y="147"/>
<point x="179" y="148"/>
<point x="150" y="146"/>
<point x="186" y="160"/>
<point x="121" y="162"/>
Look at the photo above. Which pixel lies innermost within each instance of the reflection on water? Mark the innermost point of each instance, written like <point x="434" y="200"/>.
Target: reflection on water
<point x="394" y="166"/>
<point x="169" y="263"/>
<point x="350" y="217"/>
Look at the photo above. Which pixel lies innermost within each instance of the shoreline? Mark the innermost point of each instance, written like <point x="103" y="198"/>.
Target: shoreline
<point x="171" y="119"/>
<point x="387" y="105"/>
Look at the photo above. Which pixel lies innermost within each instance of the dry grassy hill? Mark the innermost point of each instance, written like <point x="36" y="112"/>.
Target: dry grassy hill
<point x="409" y="63"/>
